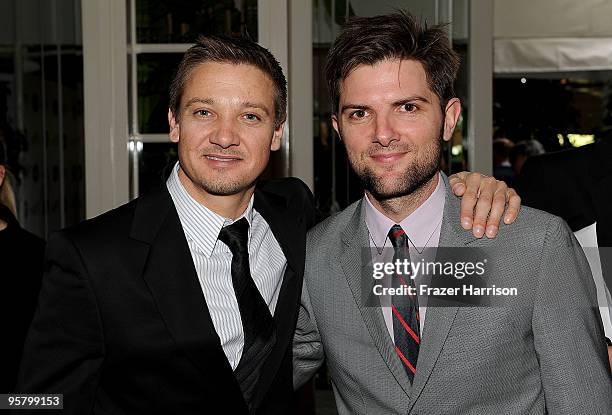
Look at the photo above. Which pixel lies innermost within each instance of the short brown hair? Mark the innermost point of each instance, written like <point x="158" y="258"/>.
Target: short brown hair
<point x="235" y="50"/>
<point x="398" y="35"/>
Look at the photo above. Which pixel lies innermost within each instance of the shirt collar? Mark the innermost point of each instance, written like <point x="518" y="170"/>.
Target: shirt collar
<point x="200" y="224"/>
<point x="419" y="225"/>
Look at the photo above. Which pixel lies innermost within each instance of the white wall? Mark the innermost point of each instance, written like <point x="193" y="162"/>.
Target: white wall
<point x="552" y="18"/>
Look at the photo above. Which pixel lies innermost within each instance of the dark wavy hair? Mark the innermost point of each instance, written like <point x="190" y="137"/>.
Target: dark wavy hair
<point x="398" y="35"/>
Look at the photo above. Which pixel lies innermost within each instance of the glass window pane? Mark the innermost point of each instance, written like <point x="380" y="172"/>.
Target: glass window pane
<point x="41" y="102"/>
<point x="154" y="165"/>
<point x="455" y="154"/>
<point x="424" y="9"/>
<point x="181" y="21"/>
<point x="155" y="71"/>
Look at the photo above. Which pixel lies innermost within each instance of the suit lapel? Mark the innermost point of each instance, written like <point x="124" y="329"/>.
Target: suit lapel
<point x="172" y="279"/>
<point x="355" y="239"/>
<point x="439" y="319"/>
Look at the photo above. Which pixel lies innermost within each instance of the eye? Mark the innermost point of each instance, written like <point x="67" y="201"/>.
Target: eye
<point x="251" y="117"/>
<point x="202" y="113"/>
<point x="408" y="107"/>
<point x="358" y="114"/>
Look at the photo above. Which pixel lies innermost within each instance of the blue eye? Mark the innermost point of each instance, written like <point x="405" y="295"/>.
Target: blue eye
<point x="252" y="117"/>
<point x="202" y="113"/>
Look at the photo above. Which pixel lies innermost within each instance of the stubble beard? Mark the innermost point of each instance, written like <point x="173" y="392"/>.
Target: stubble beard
<point x="223" y="187"/>
<point x="223" y="184"/>
<point x="415" y="176"/>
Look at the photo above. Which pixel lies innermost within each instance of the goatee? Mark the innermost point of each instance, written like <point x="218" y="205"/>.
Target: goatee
<point x="418" y="174"/>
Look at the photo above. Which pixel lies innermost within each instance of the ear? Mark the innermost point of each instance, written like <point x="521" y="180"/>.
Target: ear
<point x="451" y="117"/>
<point x="174" y="127"/>
<point x="2" y="174"/>
<point x="334" y="119"/>
<point x="277" y="137"/>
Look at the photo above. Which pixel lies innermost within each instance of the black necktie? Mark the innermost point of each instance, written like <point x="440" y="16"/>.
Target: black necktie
<point x="257" y="322"/>
<point x="405" y="308"/>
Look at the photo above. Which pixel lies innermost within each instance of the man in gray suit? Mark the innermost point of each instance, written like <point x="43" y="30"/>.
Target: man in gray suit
<point x="541" y="351"/>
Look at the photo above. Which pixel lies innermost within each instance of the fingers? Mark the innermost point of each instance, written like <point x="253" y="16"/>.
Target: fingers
<point x="497" y="209"/>
<point x="485" y="200"/>
<point x="514" y="206"/>
<point x="488" y="186"/>
<point x="470" y="196"/>
<point x="457" y="182"/>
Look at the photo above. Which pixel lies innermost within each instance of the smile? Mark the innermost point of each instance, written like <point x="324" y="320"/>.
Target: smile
<point x="222" y="158"/>
<point x="387" y="157"/>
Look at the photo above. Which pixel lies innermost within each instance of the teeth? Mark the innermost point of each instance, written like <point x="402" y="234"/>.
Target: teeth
<point x="220" y="158"/>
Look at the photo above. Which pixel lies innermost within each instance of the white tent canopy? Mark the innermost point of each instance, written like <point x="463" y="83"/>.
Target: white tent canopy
<point x="552" y="36"/>
<point x="552" y="55"/>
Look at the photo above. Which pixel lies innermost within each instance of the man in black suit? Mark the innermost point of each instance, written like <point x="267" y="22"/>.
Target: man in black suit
<point x="576" y="185"/>
<point x="126" y="321"/>
<point x="185" y="300"/>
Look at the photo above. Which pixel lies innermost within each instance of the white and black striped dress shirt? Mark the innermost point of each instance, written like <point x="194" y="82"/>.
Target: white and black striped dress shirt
<point x="212" y="260"/>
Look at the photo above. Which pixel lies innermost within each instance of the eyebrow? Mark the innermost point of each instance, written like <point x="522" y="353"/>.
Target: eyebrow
<point x="354" y="107"/>
<point x="192" y="101"/>
<point x="255" y="105"/>
<point x="411" y="99"/>
<point x="394" y="103"/>
<point x="209" y="101"/>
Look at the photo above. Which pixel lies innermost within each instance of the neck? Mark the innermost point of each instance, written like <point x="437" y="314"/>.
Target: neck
<point x="228" y="206"/>
<point x="3" y="225"/>
<point x="399" y="208"/>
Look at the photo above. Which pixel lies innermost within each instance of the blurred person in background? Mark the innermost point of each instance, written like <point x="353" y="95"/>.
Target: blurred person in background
<point x="502" y="168"/>
<point x="576" y="185"/>
<point x="21" y="268"/>
<point x="521" y="151"/>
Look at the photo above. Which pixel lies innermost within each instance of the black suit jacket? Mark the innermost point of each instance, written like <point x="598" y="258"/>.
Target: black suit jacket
<point x="123" y="327"/>
<point x="21" y="269"/>
<point x="575" y="184"/>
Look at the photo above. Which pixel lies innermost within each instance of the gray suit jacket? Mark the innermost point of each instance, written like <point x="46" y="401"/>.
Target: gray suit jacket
<point x="543" y="352"/>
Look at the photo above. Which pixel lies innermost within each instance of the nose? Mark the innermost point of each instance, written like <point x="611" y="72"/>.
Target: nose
<point x="225" y="133"/>
<point x="384" y="134"/>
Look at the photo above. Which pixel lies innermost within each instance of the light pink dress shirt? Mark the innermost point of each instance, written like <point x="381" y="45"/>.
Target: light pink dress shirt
<point x="423" y="229"/>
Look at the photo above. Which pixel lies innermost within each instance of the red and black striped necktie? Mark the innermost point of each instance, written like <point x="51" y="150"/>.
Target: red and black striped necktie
<point x="406" y="333"/>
